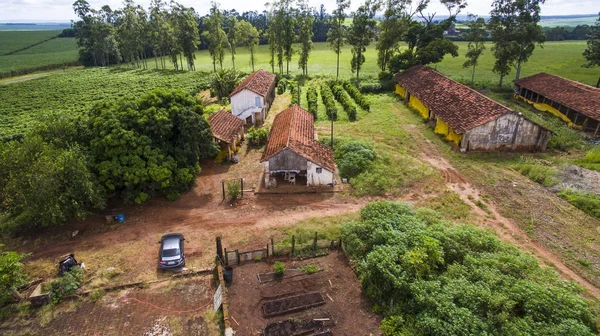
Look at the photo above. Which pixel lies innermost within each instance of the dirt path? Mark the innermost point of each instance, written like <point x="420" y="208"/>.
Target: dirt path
<point x="505" y="227"/>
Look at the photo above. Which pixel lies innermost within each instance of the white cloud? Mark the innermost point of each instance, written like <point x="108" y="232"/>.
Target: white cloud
<point x="62" y="10"/>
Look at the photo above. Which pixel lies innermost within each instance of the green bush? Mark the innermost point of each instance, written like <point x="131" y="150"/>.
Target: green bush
<point x="544" y="175"/>
<point x="358" y="97"/>
<point x="224" y="82"/>
<point x="281" y="87"/>
<point x="585" y="201"/>
<point x="295" y="95"/>
<point x="378" y="87"/>
<point x="309" y="269"/>
<point x="329" y="102"/>
<point x="11" y="274"/>
<point x="257" y="137"/>
<point x="591" y="159"/>
<point x="312" y="98"/>
<point x="233" y="190"/>
<point x="439" y="279"/>
<point x="353" y="158"/>
<point x="96" y="295"/>
<point x="65" y="285"/>
<point x="279" y="268"/>
<point x="342" y="97"/>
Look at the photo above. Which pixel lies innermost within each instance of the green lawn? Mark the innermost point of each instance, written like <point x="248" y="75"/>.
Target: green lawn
<point x="15" y="40"/>
<point x="560" y="58"/>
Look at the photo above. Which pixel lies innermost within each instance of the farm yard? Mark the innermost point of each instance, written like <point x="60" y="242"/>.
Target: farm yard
<point x="447" y="206"/>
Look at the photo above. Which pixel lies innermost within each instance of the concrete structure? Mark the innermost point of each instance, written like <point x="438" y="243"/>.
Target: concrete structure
<point x="251" y="100"/>
<point x="228" y="131"/>
<point x="467" y="118"/>
<point x="575" y="103"/>
<point x="292" y="149"/>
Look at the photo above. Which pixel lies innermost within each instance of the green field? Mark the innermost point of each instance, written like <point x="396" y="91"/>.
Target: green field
<point x="73" y="92"/>
<point x="11" y="41"/>
<point x="573" y="22"/>
<point x="560" y="58"/>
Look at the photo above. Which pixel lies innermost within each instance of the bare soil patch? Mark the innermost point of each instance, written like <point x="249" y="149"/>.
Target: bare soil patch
<point x="346" y="311"/>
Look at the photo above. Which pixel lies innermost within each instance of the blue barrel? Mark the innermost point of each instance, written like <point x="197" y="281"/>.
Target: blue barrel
<point x="121" y="218"/>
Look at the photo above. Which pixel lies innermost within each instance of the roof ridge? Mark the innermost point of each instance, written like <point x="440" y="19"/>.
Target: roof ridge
<point x="287" y="145"/>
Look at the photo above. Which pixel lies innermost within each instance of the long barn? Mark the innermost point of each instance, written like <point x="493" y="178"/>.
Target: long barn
<point x="467" y="118"/>
<point x="575" y="103"/>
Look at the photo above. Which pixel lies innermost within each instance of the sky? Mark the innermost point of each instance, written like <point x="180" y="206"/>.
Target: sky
<point x="62" y="10"/>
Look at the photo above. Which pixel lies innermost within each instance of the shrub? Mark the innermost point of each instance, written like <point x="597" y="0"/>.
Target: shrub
<point x="342" y="97"/>
<point x="312" y="98"/>
<point x="585" y="201"/>
<point x="233" y="190"/>
<point x="96" y="295"/>
<point x="279" y="268"/>
<point x="295" y="95"/>
<point x="12" y="274"/>
<point x="224" y="82"/>
<point x="544" y="175"/>
<point x="310" y="269"/>
<point x="354" y="157"/>
<point x="380" y="87"/>
<point x="257" y="137"/>
<point x="281" y="87"/>
<point x="66" y="285"/>
<point x="357" y="96"/>
<point x="591" y="159"/>
<point x="329" y="102"/>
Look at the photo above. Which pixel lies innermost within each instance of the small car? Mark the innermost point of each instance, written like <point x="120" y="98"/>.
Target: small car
<point x="171" y="253"/>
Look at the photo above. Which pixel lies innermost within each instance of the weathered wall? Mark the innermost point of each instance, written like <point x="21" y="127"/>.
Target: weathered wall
<point x="509" y="132"/>
<point x="287" y="160"/>
<point x="243" y="105"/>
<point x="313" y="178"/>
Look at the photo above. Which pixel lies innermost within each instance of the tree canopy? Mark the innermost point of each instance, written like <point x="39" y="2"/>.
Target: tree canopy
<point x="592" y="52"/>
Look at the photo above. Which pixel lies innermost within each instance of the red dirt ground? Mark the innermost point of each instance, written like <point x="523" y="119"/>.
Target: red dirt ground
<point x="350" y="309"/>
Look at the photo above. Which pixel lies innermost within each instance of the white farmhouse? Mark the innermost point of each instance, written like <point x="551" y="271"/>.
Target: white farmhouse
<point x="251" y="100"/>
<point x="292" y="150"/>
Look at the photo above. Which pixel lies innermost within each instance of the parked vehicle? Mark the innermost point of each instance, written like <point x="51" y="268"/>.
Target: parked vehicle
<point x="171" y="253"/>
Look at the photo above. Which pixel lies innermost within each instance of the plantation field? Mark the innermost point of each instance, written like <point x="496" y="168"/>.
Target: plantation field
<point x="74" y="92"/>
<point x="560" y="58"/>
<point x="573" y="22"/>
<point x="11" y="41"/>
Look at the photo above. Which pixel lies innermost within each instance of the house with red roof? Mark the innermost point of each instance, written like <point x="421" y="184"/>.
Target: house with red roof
<point x="575" y="103"/>
<point x="228" y="131"/>
<point x="467" y="118"/>
<point x="251" y="100"/>
<point x="292" y="150"/>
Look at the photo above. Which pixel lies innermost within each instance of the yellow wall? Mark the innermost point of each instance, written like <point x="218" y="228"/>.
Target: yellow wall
<point x="442" y="128"/>
<point x="415" y="103"/>
<point x="547" y="108"/>
<point x="400" y="91"/>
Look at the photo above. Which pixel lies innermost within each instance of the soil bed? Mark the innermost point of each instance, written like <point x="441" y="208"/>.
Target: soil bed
<point x="348" y="310"/>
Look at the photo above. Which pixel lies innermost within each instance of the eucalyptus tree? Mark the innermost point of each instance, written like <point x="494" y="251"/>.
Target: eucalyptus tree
<point x="216" y="36"/>
<point x="362" y="32"/>
<point x="305" y="35"/>
<point x="476" y="37"/>
<point x="336" y="36"/>
<point x="592" y="52"/>
<point x="247" y="36"/>
<point x="394" y="18"/>
<point x="230" y="23"/>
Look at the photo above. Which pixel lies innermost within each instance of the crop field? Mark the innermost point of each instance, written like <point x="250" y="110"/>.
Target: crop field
<point x="560" y="58"/>
<point x="11" y="41"/>
<point x="572" y="22"/>
<point x="75" y="91"/>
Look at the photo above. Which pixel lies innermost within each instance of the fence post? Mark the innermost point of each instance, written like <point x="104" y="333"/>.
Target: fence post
<point x="272" y="247"/>
<point x="293" y="244"/>
<point x="242" y="188"/>
<point x="267" y="250"/>
<point x="226" y="258"/>
<point x="315" y="243"/>
<point x="237" y="256"/>
<point x="223" y="186"/>
<point x="219" y="249"/>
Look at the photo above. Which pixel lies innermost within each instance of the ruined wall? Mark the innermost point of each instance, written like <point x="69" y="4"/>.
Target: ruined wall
<point x="510" y="132"/>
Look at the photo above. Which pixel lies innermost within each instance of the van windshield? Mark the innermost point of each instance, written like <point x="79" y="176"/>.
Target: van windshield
<point x="170" y="252"/>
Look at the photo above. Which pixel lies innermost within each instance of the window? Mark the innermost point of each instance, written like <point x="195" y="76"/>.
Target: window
<point x="319" y="170"/>
<point x="258" y="101"/>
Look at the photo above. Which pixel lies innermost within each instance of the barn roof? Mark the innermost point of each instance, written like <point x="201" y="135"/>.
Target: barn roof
<point x="461" y="107"/>
<point x="225" y="126"/>
<point x="259" y="82"/>
<point x="579" y="97"/>
<point x="294" y="129"/>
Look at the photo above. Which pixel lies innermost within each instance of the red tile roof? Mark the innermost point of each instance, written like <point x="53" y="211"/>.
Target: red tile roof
<point x="225" y="126"/>
<point x="294" y="129"/>
<point x="260" y="82"/>
<point x="579" y="97"/>
<point x="461" y="107"/>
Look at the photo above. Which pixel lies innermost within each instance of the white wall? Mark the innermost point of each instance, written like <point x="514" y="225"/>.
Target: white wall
<point x="313" y="178"/>
<point x="243" y="104"/>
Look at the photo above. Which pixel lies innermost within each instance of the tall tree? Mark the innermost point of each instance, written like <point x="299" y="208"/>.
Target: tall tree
<point x="322" y="24"/>
<point x="277" y="34"/>
<point x="247" y="36"/>
<point x="361" y="33"/>
<point x="390" y="30"/>
<point x="305" y="23"/>
<point x="336" y="36"/>
<point x="515" y="32"/>
<point x="162" y="36"/>
<point x="230" y="23"/>
<point x="289" y="31"/>
<point x="476" y="37"/>
<point x="216" y="36"/>
<point x="187" y="34"/>
<point x="129" y="28"/>
<point x="592" y="53"/>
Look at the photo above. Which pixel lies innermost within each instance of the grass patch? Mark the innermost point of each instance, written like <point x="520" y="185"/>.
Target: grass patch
<point x="591" y="159"/>
<point x="585" y="201"/>
<point x="449" y="205"/>
<point x="309" y="269"/>
<point x="544" y="175"/>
